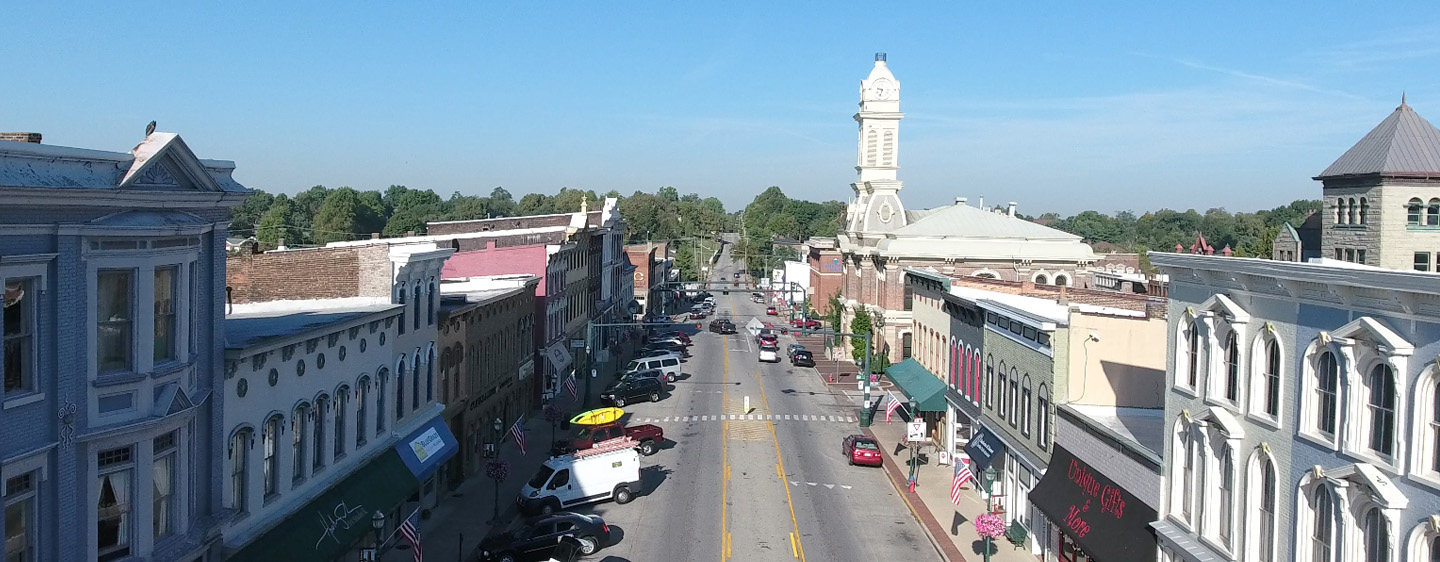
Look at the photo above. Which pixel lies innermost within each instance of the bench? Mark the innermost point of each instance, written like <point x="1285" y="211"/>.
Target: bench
<point x="1016" y="534"/>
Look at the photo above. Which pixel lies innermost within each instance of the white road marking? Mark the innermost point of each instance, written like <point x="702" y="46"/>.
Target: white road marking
<point x="844" y="486"/>
<point x="667" y="418"/>
<point x="831" y="486"/>
<point x="810" y="484"/>
<point x="851" y="420"/>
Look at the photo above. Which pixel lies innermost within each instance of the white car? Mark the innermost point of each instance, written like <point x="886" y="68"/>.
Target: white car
<point x="769" y="355"/>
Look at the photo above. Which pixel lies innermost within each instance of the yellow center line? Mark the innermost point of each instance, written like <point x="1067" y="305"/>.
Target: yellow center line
<point x="724" y="439"/>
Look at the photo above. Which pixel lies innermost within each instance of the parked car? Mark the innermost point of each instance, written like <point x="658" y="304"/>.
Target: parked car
<point x="722" y="326"/>
<point x="668" y="363"/>
<point x="645" y="374"/>
<point x="792" y="348"/>
<point x="647" y="437"/>
<point x="808" y="323"/>
<point x="769" y="339"/>
<point x="621" y="393"/>
<point x="698" y="314"/>
<point x="770" y="354"/>
<point x="802" y="358"/>
<point x="859" y="449"/>
<point x="576" y="479"/>
<point x="542" y="538"/>
<point x="677" y="334"/>
<point x="770" y="311"/>
<point x="667" y="341"/>
<point x="670" y="346"/>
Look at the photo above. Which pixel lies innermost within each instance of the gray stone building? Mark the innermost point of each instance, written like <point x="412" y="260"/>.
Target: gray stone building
<point x="110" y="430"/>
<point x="1300" y="412"/>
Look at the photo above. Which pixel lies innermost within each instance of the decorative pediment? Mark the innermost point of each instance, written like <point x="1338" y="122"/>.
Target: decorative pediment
<point x="1223" y="420"/>
<point x="1381" y="488"/>
<point x="1221" y="304"/>
<point x="172" y="400"/>
<point x="164" y="162"/>
<point x="1368" y="328"/>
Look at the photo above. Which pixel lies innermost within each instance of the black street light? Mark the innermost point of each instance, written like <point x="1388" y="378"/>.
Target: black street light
<point x="498" y="425"/>
<point x="989" y="480"/>
<point x="377" y="522"/>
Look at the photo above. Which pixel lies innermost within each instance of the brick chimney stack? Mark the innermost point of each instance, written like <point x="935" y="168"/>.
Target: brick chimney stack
<point x="21" y="137"/>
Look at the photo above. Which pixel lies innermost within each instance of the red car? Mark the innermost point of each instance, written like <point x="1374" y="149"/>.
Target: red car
<point x="770" y="311"/>
<point x="859" y="449"/>
<point x="808" y="323"/>
<point x="769" y="340"/>
<point x="682" y="336"/>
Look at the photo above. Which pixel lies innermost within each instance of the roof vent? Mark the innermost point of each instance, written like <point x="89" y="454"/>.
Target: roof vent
<point x="960" y="200"/>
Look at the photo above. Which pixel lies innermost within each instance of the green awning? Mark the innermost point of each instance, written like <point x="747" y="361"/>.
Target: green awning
<point x="918" y="384"/>
<point x="329" y="524"/>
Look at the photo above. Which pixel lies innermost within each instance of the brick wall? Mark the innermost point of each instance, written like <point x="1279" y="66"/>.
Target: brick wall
<point x="21" y="137"/>
<point x="320" y="273"/>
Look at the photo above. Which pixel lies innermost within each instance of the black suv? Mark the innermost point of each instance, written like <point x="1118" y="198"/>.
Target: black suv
<point x="538" y="538"/>
<point x="625" y="392"/>
<point x="802" y="358"/>
<point x="722" y="326"/>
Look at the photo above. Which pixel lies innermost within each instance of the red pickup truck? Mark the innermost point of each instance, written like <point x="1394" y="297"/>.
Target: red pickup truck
<point x="649" y="437"/>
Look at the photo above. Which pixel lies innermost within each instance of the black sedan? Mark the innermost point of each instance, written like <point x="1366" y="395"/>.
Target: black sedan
<point x="621" y="393"/>
<point x="802" y="358"/>
<point x="539" y="538"/>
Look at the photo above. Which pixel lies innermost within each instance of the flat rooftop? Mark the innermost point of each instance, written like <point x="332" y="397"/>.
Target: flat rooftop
<point x="1142" y="426"/>
<point x="253" y="324"/>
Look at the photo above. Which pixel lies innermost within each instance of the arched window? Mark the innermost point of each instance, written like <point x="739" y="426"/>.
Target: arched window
<point x="989" y="381"/>
<point x="1435" y="429"/>
<point x="1432" y="212"/>
<point x="400" y="300"/>
<point x="446" y="360"/>
<point x="240" y="471"/>
<point x="417" y="304"/>
<point x="1412" y="208"/>
<point x="1041" y="279"/>
<point x="1225" y="513"/>
<point x="1340" y="211"/>
<point x="1061" y="280"/>
<point x="400" y="369"/>
<point x="1364" y="211"/>
<point x="342" y="402"/>
<point x="1004" y="410"/>
<point x="1322" y="529"/>
<point x="430" y="303"/>
<point x="1043" y="438"/>
<point x="872" y="142"/>
<point x="1025" y="407"/>
<point x="270" y="451"/>
<point x="1267" y="509"/>
<point x="1187" y="498"/>
<point x="1232" y="369"/>
<point x="317" y="459"/>
<point x="1327" y="371"/>
<point x="1270" y="378"/>
<point x="1377" y="537"/>
<point x="1351" y="210"/>
<point x="1435" y="549"/>
<point x="1191" y="338"/>
<point x="362" y="409"/>
<point x="1381" y="385"/>
<point x="300" y="427"/>
<point x="458" y="372"/>
<point x="381" y="384"/>
<point x="1013" y="400"/>
<point x="415" y="380"/>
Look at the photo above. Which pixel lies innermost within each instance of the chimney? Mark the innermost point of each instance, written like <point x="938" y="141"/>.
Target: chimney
<point x="280" y="244"/>
<point x="1027" y="286"/>
<point x="374" y="235"/>
<point x="1010" y="209"/>
<point x="982" y="203"/>
<point x="1064" y="298"/>
<point x="960" y="200"/>
<point x="33" y="138"/>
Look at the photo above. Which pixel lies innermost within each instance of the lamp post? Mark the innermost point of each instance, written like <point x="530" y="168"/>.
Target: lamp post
<point x="914" y="407"/>
<point x="498" y="425"/>
<point x="377" y="522"/>
<point x="989" y="476"/>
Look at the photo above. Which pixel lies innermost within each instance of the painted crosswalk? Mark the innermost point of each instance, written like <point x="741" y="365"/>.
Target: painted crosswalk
<point x="749" y="417"/>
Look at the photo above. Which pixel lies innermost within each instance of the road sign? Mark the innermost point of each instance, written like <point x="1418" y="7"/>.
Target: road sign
<point x="577" y="343"/>
<point x="915" y="431"/>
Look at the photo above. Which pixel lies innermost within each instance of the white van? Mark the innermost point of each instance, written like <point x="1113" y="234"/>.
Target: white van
<point x="668" y="363"/>
<point x="594" y="475"/>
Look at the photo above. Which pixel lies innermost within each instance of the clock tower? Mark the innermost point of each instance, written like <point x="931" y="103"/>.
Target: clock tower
<point x="877" y="205"/>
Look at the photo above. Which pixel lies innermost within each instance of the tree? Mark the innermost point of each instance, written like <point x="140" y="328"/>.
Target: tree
<point x="337" y="218"/>
<point x="535" y="204"/>
<point x="501" y="203"/>
<point x="277" y="223"/>
<point x="244" y="217"/>
<point x="860" y="324"/>
<point x="466" y="207"/>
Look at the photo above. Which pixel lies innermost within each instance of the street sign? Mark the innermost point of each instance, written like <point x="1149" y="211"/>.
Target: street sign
<point x="578" y="343"/>
<point x="915" y="431"/>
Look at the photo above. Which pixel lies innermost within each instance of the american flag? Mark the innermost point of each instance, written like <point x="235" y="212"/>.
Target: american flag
<point x="570" y="385"/>
<point x="519" y="433"/>
<point x="412" y="535"/>
<point x="962" y="475"/>
<point x="890" y="408"/>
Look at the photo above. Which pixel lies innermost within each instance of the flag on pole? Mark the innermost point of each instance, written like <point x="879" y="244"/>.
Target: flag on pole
<point x="412" y="535"/>
<point x="890" y="408"/>
<point x="962" y="475"/>
<point x="570" y="385"/>
<point x="519" y="433"/>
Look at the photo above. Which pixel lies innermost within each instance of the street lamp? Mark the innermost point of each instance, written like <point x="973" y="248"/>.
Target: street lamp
<point x="377" y="522"/>
<point x="989" y="480"/>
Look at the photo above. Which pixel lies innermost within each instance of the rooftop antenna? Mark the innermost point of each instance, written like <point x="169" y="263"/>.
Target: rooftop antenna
<point x="150" y="128"/>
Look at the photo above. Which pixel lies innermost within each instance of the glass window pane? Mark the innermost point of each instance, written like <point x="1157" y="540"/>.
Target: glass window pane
<point x="112" y="531"/>
<point x="164" y="314"/>
<point x="19" y="329"/>
<point x="164" y="481"/>
<point x="114" y="316"/>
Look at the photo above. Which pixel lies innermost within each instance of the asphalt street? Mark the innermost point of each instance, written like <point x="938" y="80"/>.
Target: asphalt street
<point x="765" y="484"/>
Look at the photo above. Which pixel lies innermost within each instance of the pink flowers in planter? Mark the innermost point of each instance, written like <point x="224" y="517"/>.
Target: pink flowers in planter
<point x="989" y="525"/>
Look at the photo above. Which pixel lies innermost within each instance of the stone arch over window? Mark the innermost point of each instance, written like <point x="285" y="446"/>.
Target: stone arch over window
<point x="237" y="454"/>
<point x="1351" y="210"/>
<point x="1221" y="435"/>
<point x="1040" y="278"/>
<point x="1042" y="435"/>
<point x="320" y="432"/>
<point x="990" y="381"/>
<point x="1340" y="212"/>
<point x="362" y="409"/>
<point x="1187" y="353"/>
<point x="430" y="302"/>
<point x="1262" y="507"/>
<point x="1062" y="280"/>
<point x="1025" y="405"/>
<point x="1182" y="472"/>
<point x="1423" y="542"/>
<point x="1425" y="424"/>
<point x="416" y="368"/>
<point x="986" y="273"/>
<point x="1414" y="211"/>
<point x="1003" y="408"/>
<point x="418" y="297"/>
<point x="1381" y="400"/>
<point x="300" y="422"/>
<point x="1432" y="212"/>
<point x="430" y="373"/>
<point x="1267" y="364"/>
<point x="1012" y="402"/>
<point x="382" y="383"/>
<point x="1335" y="398"/>
<point x="1346" y="505"/>
<point x="401" y="369"/>
<point x="1230" y="368"/>
<point x="342" y="417"/>
<point x="1364" y="211"/>
<point x="400" y="300"/>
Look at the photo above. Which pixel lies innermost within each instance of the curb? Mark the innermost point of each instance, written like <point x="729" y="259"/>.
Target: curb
<point x="942" y="544"/>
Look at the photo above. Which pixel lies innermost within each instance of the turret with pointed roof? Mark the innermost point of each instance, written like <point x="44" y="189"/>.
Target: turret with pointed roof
<point x="1382" y="196"/>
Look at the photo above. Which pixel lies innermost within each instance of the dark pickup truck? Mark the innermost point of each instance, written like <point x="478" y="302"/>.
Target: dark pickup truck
<point x="647" y="437"/>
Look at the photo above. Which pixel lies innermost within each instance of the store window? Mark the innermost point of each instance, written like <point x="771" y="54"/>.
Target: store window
<point x="114" y="534"/>
<point x="1070" y="552"/>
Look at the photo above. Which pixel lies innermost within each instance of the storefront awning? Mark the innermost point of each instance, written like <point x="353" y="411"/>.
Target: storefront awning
<point x="918" y="384"/>
<point x="1108" y="522"/>
<point x="326" y="527"/>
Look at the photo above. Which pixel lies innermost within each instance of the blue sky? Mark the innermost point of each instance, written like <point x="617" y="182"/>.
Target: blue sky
<point x="1061" y="108"/>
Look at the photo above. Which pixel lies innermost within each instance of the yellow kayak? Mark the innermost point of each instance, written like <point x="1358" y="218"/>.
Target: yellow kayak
<point x="599" y="416"/>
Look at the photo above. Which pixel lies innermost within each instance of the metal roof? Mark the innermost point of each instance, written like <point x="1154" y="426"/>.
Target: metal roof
<point x="1403" y="145"/>
<point x="963" y="221"/>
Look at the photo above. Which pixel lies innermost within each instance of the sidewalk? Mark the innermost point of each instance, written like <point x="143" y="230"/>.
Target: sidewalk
<point x="462" y="519"/>
<point x="947" y="524"/>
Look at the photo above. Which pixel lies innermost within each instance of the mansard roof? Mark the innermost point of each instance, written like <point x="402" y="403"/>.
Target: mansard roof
<point x="1404" y="145"/>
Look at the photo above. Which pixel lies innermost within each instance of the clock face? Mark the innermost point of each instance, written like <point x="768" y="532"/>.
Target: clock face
<point x="884" y="90"/>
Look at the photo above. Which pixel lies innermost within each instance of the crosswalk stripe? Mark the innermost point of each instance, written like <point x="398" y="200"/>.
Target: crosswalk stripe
<point x="851" y="420"/>
<point x="834" y="419"/>
<point x="667" y="418"/>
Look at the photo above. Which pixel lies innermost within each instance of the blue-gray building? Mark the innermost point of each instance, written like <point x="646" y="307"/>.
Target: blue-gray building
<point x="112" y="266"/>
<point x="1302" y="412"/>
